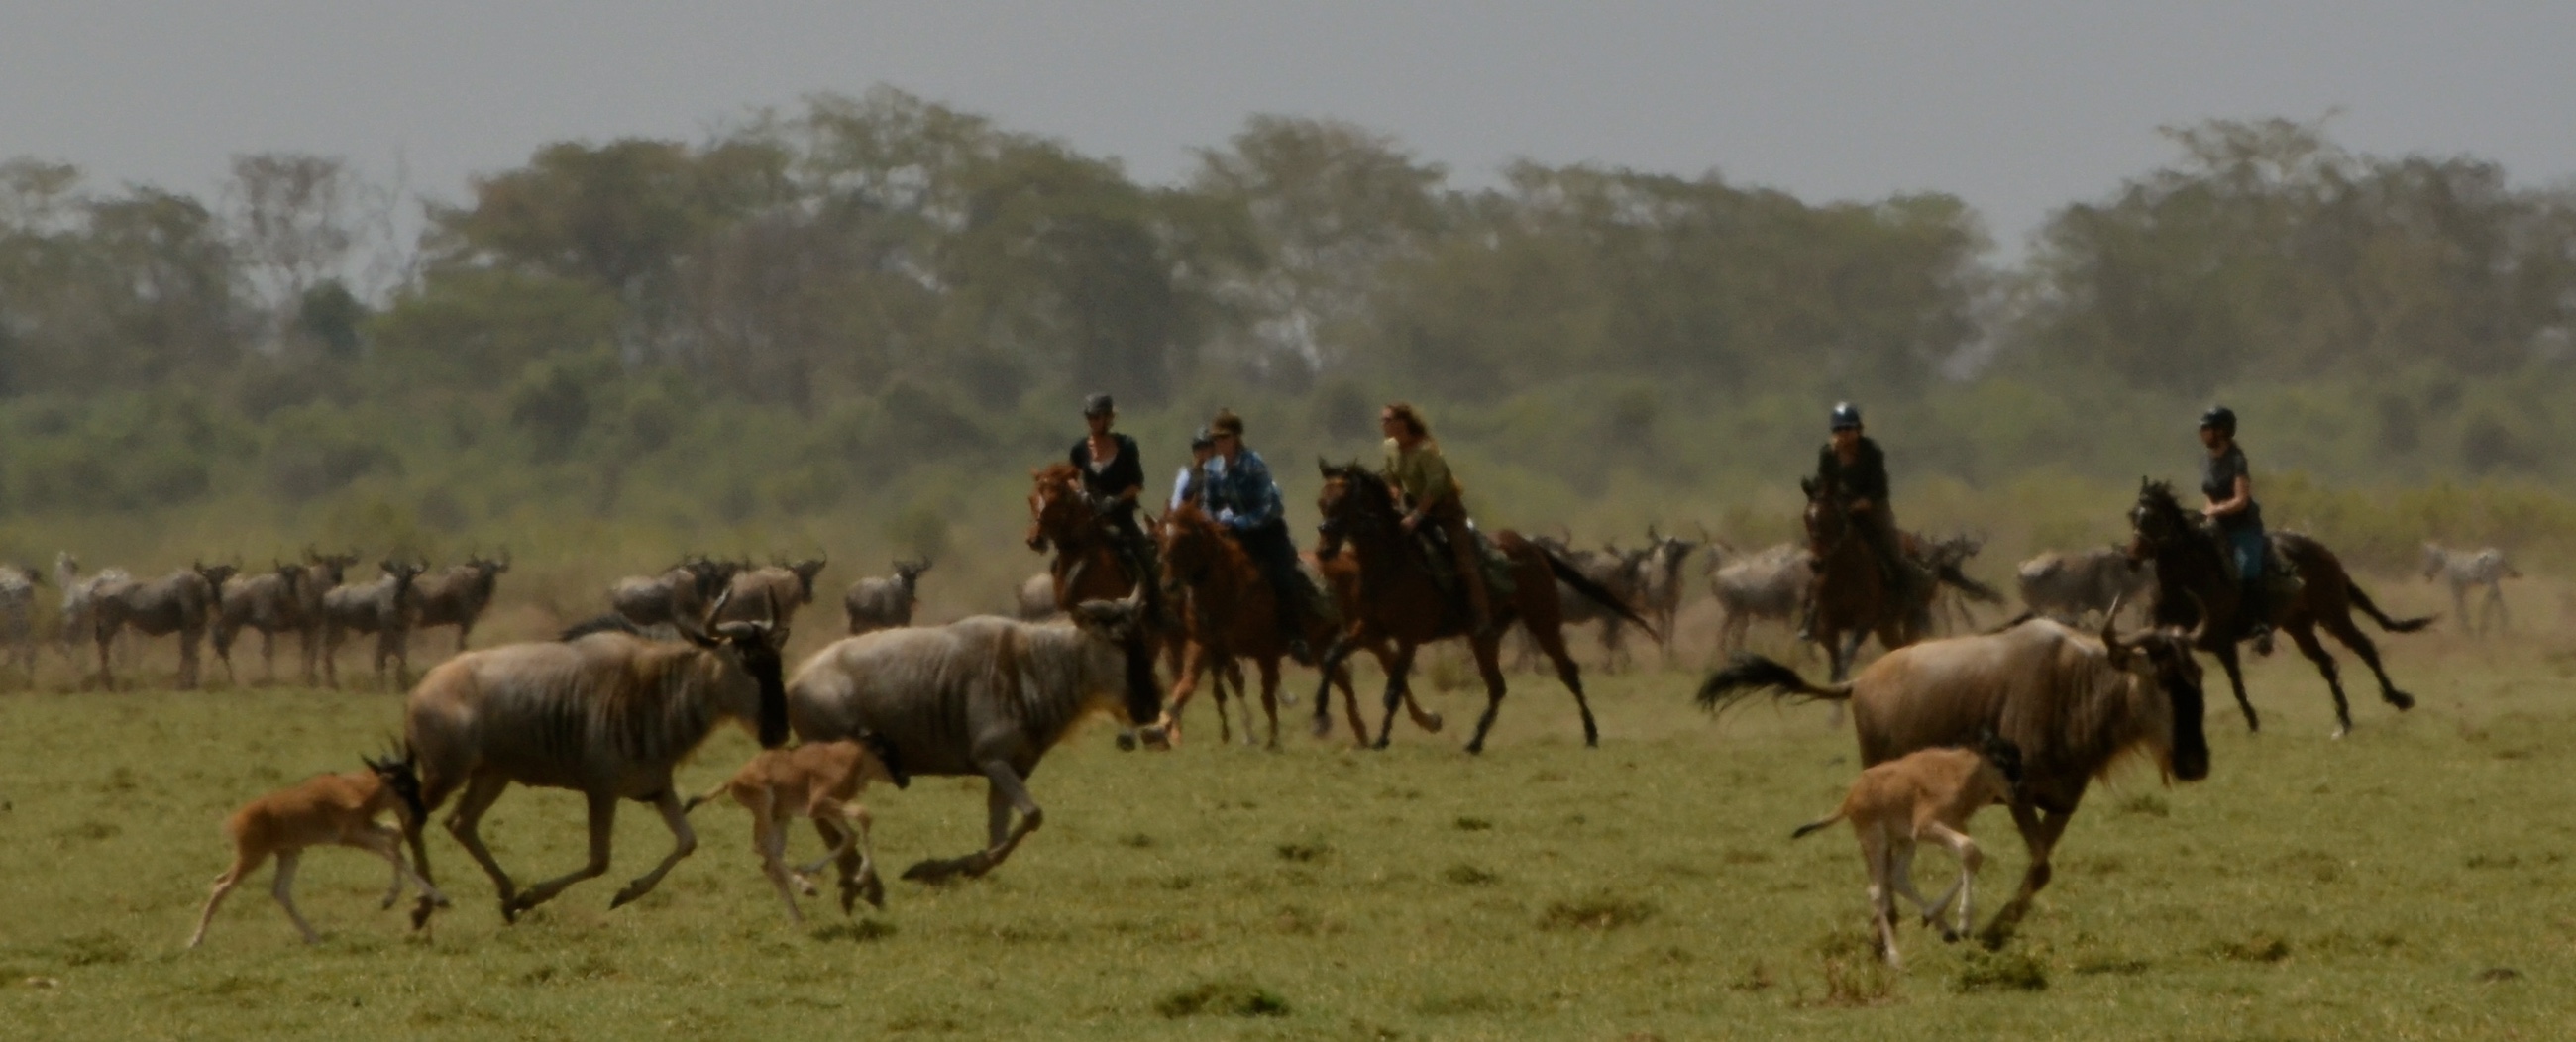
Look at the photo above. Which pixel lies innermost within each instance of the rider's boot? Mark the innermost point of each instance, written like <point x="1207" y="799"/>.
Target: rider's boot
<point x="2257" y="611"/>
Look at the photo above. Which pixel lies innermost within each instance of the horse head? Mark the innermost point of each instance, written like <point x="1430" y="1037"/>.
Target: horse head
<point x="2157" y="520"/>
<point x="1058" y="512"/>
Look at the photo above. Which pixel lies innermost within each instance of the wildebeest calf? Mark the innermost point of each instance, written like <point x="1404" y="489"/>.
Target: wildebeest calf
<point x="326" y="809"/>
<point x="822" y="781"/>
<point x="1929" y="794"/>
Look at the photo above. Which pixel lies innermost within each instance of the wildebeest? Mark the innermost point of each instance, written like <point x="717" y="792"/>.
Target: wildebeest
<point x="338" y="809"/>
<point x="1769" y="584"/>
<point x="981" y="696"/>
<point x="80" y="602"/>
<point x="270" y="602"/>
<point x="681" y="592"/>
<point x="2463" y="569"/>
<point x="820" y="781"/>
<point x="457" y="594"/>
<point x="606" y="712"/>
<point x="884" y="602"/>
<point x="787" y="584"/>
<point x="2073" y="704"/>
<point x="1928" y="794"/>
<point x="2194" y="588"/>
<point x="1034" y="601"/>
<point x="1658" y="583"/>
<point x="387" y="607"/>
<point x="323" y="573"/>
<point x="18" y="616"/>
<point x="2073" y="584"/>
<point x="181" y="603"/>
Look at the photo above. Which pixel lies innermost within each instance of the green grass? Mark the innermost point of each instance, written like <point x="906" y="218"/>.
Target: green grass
<point x="2411" y="881"/>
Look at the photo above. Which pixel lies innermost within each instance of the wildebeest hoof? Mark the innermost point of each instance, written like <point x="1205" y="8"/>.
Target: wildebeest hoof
<point x="933" y="871"/>
<point x="1126" y="744"/>
<point x="1322" y="727"/>
<point x="625" y="897"/>
<point x="873" y="892"/>
<point x="1156" y="738"/>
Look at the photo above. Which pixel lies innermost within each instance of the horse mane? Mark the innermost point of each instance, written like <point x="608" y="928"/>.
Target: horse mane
<point x="1057" y="473"/>
<point x="1360" y="481"/>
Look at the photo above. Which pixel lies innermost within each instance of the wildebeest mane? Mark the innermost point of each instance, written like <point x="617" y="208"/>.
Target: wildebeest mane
<point x="609" y="623"/>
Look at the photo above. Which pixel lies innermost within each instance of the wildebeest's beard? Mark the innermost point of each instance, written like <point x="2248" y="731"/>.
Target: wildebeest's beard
<point x="763" y="663"/>
<point x="2180" y="676"/>
<point x="1144" y="693"/>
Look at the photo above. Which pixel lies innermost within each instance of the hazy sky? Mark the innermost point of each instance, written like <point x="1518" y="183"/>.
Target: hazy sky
<point x="2018" y="107"/>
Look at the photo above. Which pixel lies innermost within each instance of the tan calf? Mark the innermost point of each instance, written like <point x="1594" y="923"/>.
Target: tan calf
<point x="818" y="780"/>
<point x="1929" y="794"/>
<point x="325" y="809"/>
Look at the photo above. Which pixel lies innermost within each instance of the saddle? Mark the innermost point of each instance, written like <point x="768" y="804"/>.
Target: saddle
<point x="1433" y="543"/>
<point x="2280" y="580"/>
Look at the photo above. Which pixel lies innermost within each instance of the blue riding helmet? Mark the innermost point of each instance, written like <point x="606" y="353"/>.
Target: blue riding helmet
<point x="1846" y="416"/>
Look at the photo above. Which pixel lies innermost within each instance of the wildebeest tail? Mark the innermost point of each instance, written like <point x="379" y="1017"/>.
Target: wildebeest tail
<point x="1566" y="573"/>
<point x="1976" y="591"/>
<point x="1816" y="825"/>
<point x="1750" y="675"/>
<point x="2362" y="601"/>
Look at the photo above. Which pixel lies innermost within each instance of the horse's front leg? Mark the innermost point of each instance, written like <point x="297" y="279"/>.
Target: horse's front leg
<point x="2228" y="661"/>
<point x="1329" y="669"/>
<point x="1398" y="673"/>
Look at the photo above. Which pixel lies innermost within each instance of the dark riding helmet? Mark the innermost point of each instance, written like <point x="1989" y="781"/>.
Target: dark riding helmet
<point x="1846" y="416"/>
<point x="1098" y="405"/>
<point x="2221" y="417"/>
<point x="1204" y="439"/>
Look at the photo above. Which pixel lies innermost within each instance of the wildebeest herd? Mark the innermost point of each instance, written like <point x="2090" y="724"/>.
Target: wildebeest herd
<point x="2025" y="713"/>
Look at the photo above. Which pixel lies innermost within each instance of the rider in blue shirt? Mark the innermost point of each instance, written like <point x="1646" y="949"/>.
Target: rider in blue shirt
<point x="1240" y="494"/>
<point x="2228" y="482"/>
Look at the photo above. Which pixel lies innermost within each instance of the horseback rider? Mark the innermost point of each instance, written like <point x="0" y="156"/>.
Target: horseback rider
<point x="1185" y="485"/>
<point x="1113" y="476"/>
<point x="1422" y="482"/>
<point x="1852" y="465"/>
<point x="1239" y="494"/>
<point x="2229" y="485"/>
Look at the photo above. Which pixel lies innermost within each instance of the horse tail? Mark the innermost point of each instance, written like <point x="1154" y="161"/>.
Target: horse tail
<point x="1817" y="825"/>
<point x="1565" y="573"/>
<point x="1750" y="675"/>
<point x="2362" y="601"/>
<point x="1977" y="591"/>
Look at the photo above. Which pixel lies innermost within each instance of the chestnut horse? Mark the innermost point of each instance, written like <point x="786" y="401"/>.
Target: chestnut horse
<point x="1231" y="613"/>
<point x="1086" y="565"/>
<point x="1400" y="600"/>
<point x="1853" y="596"/>
<point x="2192" y="581"/>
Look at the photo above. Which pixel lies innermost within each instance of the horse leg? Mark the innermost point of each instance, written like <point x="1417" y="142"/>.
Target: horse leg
<point x="1269" y="702"/>
<point x="2360" y="643"/>
<point x="684" y="840"/>
<point x="1398" y="673"/>
<point x="1328" y="670"/>
<point x="2039" y="830"/>
<point x="2235" y="668"/>
<point x="1185" y="685"/>
<point x="1567" y="673"/>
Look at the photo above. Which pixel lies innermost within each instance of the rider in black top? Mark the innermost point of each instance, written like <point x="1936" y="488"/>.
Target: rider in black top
<point x="1113" y="475"/>
<point x="1855" y="467"/>
<point x="2228" y="482"/>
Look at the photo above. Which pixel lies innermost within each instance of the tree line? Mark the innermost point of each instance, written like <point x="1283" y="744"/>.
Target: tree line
<point x="866" y="283"/>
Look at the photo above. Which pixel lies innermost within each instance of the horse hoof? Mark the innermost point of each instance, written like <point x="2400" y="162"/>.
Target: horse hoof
<point x="1432" y="723"/>
<point x="2401" y="700"/>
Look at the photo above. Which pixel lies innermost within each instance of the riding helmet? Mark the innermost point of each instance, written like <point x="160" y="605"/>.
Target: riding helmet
<point x="2221" y="417"/>
<point x="1846" y="416"/>
<point x="1098" y="405"/>
<point x="1204" y="439"/>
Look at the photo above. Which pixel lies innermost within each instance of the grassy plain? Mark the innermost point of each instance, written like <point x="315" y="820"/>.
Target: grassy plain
<point x="2411" y="881"/>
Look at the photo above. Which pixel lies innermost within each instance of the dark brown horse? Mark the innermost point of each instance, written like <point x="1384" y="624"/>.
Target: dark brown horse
<point x="1086" y="565"/>
<point x="1400" y="600"/>
<point x="2191" y="579"/>
<point x="1854" y="598"/>
<point x="1230" y="613"/>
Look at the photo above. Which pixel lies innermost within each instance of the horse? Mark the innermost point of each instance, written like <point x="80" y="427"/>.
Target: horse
<point x="1852" y="592"/>
<point x="1401" y="600"/>
<point x="2192" y="584"/>
<point x="1230" y="613"/>
<point x="1087" y="565"/>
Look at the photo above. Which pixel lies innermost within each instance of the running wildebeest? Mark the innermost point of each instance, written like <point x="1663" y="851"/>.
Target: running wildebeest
<point x="1658" y="584"/>
<point x="2194" y="588"/>
<point x="181" y="603"/>
<point x="787" y="584"/>
<point x="387" y="607"/>
<point x="606" y="712"/>
<point x="323" y="573"/>
<point x="981" y="696"/>
<point x="18" y="616"/>
<point x="333" y="809"/>
<point x="1928" y="794"/>
<point x="1769" y="584"/>
<point x="885" y="602"/>
<point x="80" y="602"/>
<point x="2463" y="569"/>
<point x="1402" y="601"/>
<point x="2073" y="585"/>
<point x="458" y="594"/>
<point x="270" y="602"/>
<point x="2073" y="704"/>
<point x="681" y="592"/>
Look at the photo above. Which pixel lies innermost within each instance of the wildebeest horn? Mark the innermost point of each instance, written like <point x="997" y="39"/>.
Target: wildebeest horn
<point x="2110" y="634"/>
<point x="769" y="600"/>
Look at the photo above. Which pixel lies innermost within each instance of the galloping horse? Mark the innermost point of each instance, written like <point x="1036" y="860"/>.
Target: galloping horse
<point x="1231" y="613"/>
<point x="1087" y="566"/>
<point x="2192" y="581"/>
<point x="1400" y="600"/>
<point x="1853" y="595"/>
